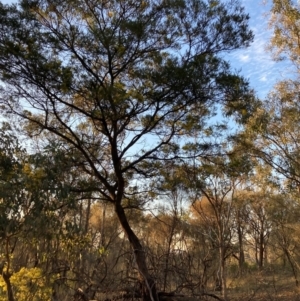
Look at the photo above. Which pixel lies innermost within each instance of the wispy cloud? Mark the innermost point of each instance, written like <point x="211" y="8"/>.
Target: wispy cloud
<point x="256" y="62"/>
<point x="244" y="57"/>
<point x="263" y="78"/>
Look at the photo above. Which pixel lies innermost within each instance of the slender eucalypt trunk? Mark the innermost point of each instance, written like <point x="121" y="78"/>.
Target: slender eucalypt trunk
<point x="149" y="292"/>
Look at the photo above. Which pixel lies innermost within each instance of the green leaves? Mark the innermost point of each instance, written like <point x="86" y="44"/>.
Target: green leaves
<point x="121" y="87"/>
<point x="285" y="23"/>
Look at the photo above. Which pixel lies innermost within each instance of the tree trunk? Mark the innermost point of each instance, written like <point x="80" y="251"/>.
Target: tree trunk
<point x="223" y="271"/>
<point x="261" y="248"/>
<point x="10" y="294"/>
<point x="241" y="246"/>
<point x="102" y="230"/>
<point x="241" y="254"/>
<point x="170" y="240"/>
<point x="149" y="292"/>
<point x="294" y="269"/>
<point x="222" y="268"/>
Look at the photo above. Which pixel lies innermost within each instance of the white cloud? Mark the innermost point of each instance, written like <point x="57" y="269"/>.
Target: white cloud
<point x="263" y="78"/>
<point x="255" y="62"/>
<point x="244" y="57"/>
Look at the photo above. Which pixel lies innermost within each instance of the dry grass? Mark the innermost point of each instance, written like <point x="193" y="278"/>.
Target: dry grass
<point x="274" y="283"/>
<point x="271" y="284"/>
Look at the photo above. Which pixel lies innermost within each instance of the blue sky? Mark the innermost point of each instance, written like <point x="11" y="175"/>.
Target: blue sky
<point x="255" y="63"/>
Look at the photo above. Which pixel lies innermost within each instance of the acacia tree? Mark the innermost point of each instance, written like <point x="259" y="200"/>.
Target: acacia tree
<point x="122" y="83"/>
<point x="272" y="132"/>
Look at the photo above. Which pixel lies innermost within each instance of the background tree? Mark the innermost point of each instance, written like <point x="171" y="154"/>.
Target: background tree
<point x="27" y="201"/>
<point x="217" y="180"/>
<point x="284" y="17"/>
<point x="284" y="240"/>
<point x="168" y="231"/>
<point x="273" y="128"/>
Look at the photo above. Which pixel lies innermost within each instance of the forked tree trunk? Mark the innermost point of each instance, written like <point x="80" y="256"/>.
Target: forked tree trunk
<point x="148" y="284"/>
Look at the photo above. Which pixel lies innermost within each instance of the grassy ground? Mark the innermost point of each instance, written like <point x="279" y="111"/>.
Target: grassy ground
<point x="274" y="283"/>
